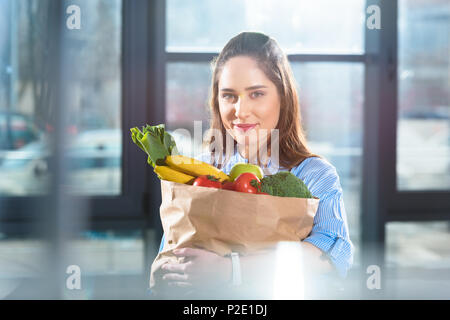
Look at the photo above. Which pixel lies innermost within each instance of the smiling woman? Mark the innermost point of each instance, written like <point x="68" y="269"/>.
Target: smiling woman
<point x="253" y="91"/>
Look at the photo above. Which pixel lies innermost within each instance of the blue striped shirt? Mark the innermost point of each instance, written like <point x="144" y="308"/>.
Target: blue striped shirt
<point x="330" y="229"/>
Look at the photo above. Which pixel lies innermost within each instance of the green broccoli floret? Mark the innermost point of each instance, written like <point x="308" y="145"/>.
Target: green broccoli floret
<point x="285" y="184"/>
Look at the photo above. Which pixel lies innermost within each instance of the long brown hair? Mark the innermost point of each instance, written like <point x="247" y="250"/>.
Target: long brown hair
<point x="274" y="63"/>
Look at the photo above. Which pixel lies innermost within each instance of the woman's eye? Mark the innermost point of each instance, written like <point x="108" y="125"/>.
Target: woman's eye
<point x="257" y="94"/>
<point x="229" y="97"/>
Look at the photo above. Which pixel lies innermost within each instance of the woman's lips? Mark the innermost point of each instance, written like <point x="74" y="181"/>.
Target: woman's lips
<point x="245" y="127"/>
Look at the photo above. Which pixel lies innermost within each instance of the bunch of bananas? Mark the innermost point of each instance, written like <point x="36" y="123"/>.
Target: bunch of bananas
<point x="163" y="156"/>
<point x="183" y="169"/>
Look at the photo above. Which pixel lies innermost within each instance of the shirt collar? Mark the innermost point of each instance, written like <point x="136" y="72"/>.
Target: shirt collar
<point x="238" y="158"/>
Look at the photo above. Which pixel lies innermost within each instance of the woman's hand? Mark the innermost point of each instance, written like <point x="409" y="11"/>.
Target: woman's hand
<point x="202" y="269"/>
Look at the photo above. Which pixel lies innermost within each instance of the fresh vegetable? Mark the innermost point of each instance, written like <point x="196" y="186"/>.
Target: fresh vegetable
<point x="247" y="182"/>
<point x="194" y="167"/>
<point x="228" y="185"/>
<point x="156" y="142"/>
<point x="167" y="173"/>
<point x="207" y="181"/>
<point x="285" y="184"/>
<point x="240" y="168"/>
<point x="163" y="156"/>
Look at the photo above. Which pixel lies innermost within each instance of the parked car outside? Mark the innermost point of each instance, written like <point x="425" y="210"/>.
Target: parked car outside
<point x="93" y="163"/>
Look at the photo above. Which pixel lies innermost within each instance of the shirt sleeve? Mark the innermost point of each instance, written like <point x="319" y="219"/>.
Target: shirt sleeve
<point x="330" y="229"/>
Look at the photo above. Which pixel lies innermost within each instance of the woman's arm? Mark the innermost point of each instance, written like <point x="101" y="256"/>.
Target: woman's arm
<point x="330" y="232"/>
<point x="207" y="269"/>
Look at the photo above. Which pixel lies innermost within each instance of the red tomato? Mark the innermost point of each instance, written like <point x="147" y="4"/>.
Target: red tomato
<point x="207" y="181"/>
<point x="247" y="182"/>
<point x="228" y="185"/>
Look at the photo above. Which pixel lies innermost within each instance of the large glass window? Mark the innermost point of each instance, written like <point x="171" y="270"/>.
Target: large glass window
<point x="418" y="244"/>
<point x="187" y="93"/>
<point x="423" y="133"/>
<point x="25" y="94"/>
<point x="299" y="26"/>
<point x="420" y="255"/>
<point x="92" y="91"/>
<point x="331" y="102"/>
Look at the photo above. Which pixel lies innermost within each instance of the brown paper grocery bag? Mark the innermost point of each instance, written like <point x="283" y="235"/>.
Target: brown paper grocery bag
<point x="222" y="221"/>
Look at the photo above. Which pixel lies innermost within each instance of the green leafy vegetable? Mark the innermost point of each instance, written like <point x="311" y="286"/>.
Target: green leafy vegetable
<point x="155" y="141"/>
<point x="285" y="184"/>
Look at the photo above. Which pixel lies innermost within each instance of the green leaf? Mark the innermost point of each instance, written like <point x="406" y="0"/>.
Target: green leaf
<point x="254" y="183"/>
<point x="170" y="144"/>
<point x="155" y="142"/>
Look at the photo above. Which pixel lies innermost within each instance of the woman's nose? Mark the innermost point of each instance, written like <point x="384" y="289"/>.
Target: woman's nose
<point x="242" y="108"/>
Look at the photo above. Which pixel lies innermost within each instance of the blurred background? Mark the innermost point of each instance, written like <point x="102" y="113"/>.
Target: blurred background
<point x="74" y="190"/>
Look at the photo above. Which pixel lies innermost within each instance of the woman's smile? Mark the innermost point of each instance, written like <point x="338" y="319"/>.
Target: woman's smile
<point x="243" y="127"/>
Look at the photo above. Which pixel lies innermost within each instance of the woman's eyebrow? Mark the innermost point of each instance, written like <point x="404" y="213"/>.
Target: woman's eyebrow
<point x="247" y="89"/>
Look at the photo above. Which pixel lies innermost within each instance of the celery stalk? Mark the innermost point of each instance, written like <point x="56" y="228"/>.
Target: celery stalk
<point x="155" y="142"/>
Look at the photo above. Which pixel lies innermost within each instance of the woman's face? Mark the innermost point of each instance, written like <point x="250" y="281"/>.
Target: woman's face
<point x="249" y="102"/>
